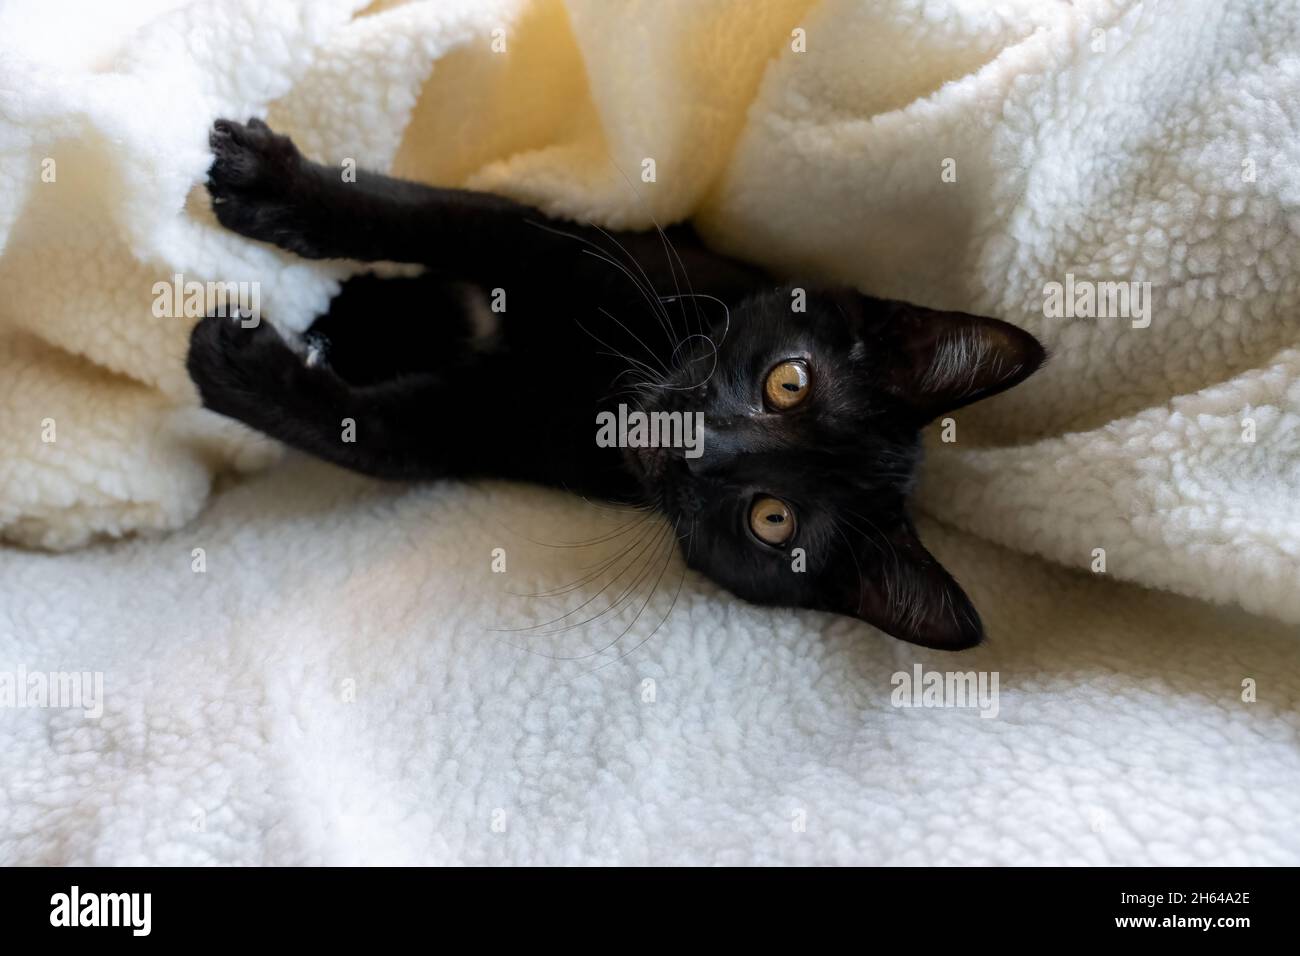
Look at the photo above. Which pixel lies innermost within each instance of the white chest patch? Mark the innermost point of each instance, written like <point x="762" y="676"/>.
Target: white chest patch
<point x="484" y="324"/>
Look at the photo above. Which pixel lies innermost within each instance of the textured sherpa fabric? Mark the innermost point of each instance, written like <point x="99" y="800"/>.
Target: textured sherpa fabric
<point x="321" y="669"/>
<point x="342" y="684"/>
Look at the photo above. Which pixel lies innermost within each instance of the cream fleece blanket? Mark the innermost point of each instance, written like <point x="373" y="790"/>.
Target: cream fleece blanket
<point x="952" y="152"/>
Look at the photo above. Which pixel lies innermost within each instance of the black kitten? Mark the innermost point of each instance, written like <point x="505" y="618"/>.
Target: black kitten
<point x="498" y="361"/>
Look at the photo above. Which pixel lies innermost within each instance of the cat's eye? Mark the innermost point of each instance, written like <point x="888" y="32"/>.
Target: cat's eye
<point x="771" y="520"/>
<point x="786" y="385"/>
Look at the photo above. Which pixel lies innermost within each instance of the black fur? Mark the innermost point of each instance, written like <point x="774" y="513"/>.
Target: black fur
<point x="654" y="320"/>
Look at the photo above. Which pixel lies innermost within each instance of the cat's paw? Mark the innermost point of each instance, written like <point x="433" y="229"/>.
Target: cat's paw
<point x="239" y="370"/>
<point x="254" y="181"/>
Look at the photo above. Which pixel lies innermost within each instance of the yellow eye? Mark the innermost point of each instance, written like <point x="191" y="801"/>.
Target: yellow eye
<point x="771" y="520"/>
<point x="786" y="385"/>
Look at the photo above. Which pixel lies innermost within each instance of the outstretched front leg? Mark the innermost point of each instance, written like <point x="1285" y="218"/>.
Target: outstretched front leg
<point x="263" y="188"/>
<point x="383" y="430"/>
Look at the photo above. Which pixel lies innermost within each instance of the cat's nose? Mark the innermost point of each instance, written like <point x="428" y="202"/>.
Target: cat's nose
<point x="716" y="450"/>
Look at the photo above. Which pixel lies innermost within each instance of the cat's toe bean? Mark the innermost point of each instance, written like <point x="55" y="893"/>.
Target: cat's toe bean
<point x="250" y="157"/>
<point x="253" y="181"/>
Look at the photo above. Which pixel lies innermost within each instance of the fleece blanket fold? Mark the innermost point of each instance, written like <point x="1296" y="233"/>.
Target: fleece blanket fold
<point x="307" y="671"/>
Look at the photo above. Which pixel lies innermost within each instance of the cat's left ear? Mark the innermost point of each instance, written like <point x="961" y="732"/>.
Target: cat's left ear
<point x="894" y="583"/>
<point x="939" y="361"/>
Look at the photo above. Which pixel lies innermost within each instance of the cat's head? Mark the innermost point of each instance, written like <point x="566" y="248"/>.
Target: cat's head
<point x="811" y="440"/>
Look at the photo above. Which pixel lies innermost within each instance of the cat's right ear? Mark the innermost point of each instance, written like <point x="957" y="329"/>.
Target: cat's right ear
<point x="938" y="361"/>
